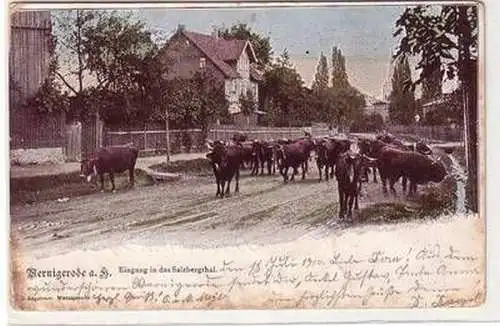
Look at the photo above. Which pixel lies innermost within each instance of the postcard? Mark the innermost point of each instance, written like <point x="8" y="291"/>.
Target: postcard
<point x="314" y="156"/>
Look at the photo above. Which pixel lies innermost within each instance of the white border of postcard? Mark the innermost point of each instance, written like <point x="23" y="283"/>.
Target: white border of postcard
<point x="490" y="311"/>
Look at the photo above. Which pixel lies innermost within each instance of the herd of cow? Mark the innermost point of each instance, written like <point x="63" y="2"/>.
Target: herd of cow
<point x="349" y="161"/>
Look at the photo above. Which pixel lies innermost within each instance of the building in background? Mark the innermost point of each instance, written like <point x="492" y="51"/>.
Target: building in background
<point x="34" y="137"/>
<point x="231" y="62"/>
<point x="378" y="107"/>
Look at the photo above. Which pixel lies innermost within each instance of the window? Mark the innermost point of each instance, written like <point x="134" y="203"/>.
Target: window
<point x="203" y="62"/>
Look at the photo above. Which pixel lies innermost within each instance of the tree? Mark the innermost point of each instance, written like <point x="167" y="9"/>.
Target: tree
<point x="247" y="104"/>
<point x="196" y="102"/>
<point x="50" y="97"/>
<point x="339" y="74"/>
<point x="345" y="101"/>
<point x="451" y="36"/>
<point x="320" y="82"/>
<point x="282" y="92"/>
<point x="432" y="84"/>
<point x="100" y="52"/>
<point x="402" y="99"/>
<point x="260" y="44"/>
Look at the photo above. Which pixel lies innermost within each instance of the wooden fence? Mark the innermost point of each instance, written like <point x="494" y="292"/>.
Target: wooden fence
<point x="443" y="133"/>
<point x="192" y="140"/>
<point x="74" y="142"/>
<point x="186" y="140"/>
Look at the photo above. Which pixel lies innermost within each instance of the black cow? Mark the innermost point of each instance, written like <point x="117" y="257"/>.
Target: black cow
<point x="111" y="160"/>
<point x="264" y="153"/>
<point x="294" y="155"/>
<point x="364" y="145"/>
<point x="422" y="148"/>
<point x="226" y="161"/>
<point x="239" y="137"/>
<point x="327" y="151"/>
<point x="248" y="155"/>
<point x="394" y="163"/>
<point x="348" y="171"/>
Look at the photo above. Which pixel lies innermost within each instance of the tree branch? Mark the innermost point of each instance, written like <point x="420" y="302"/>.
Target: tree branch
<point x="66" y="83"/>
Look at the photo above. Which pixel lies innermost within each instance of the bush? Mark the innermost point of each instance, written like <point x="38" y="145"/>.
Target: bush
<point x="368" y="123"/>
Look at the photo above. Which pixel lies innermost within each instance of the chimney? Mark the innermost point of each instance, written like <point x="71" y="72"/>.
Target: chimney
<point x="181" y="28"/>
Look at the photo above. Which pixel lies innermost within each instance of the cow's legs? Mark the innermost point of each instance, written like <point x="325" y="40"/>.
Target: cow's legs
<point x="295" y="171"/>
<point x="222" y="186"/>
<point x="228" y="190"/>
<point x="237" y="180"/>
<point x="341" y="205"/>
<point x="392" y="181"/>
<point x="356" y="197"/>
<point x="350" y="203"/>
<point x="284" y="173"/>
<point x="413" y="188"/>
<point x="101" y="178"/>
<point x="404" y="181"/>
<point x="131" y="177"/>
<point x="112" y="178"/>
<point x="374" y="170"/>
<point x="383" y="177"/>
<point x="304" y="169"/>
<point x="319" y="170"/>
<point x="218" y="187"/>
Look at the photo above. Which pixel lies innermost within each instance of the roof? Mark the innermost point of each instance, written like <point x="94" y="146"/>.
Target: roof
<point x="255" y="73"/>
<point x="221" y="51"/>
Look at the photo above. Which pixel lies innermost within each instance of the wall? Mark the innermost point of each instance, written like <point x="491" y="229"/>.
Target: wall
<point x="183" y="59"/>
<point x="40" y="155"/>
<point x="34" y="137"/>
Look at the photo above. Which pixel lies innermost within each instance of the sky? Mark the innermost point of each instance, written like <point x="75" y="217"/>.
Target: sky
<point x="363" y="33"/>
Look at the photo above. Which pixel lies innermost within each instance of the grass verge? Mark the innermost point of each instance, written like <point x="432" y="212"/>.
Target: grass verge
<point x="199" y="167"/>
<point x="52" y="187"/>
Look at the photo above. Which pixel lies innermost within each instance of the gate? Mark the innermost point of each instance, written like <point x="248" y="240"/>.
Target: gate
<point x="74" y="142"/>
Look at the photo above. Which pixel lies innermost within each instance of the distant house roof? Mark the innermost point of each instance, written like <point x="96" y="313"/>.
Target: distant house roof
<point x="255" y="73"/>
<point x="440" y="100"/>
<point x="222" y="52"/>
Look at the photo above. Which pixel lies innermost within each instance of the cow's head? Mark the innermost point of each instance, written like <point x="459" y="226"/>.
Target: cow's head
<point x="88" y="169"/>
<point x="218" y="154"/>
<point x="437" y="171"/>
<point x="423" y="148"/>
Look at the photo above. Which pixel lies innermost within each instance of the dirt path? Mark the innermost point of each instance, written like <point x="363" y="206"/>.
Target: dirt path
<point x="186" y="213"/>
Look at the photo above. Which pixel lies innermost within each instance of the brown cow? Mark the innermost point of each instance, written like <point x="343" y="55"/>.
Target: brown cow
<point x="111" y="160"/>
<point x="295" y="155"/>
<point x="348" y="170"/>
<point x="327" y="151"/>
<point x="395" y="163"/>
<point x="226" y="161"/>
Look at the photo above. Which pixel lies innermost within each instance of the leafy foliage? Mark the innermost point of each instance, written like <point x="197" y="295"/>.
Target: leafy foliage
<point x="260" y="44"/>
<point x="339" y="74"/>
<point x="247" y="102"/>
<point x="402" y="99"/>
<point x="448" y="34"/>
<point x="320" y="83"/>
<point x="50" y="98"/>
<point x="195" y="102"/>
<point x="373" y="122"/>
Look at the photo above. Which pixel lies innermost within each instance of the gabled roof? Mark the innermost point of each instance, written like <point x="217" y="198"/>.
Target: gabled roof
<point x="220" y="51"/>
<point x="255" y="73"/>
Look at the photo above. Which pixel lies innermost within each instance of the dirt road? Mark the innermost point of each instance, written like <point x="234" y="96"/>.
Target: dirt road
<point x="186" y="213"/>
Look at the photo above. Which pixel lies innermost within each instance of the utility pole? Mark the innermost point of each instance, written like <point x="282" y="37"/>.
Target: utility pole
<point x="167" y="132"/>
